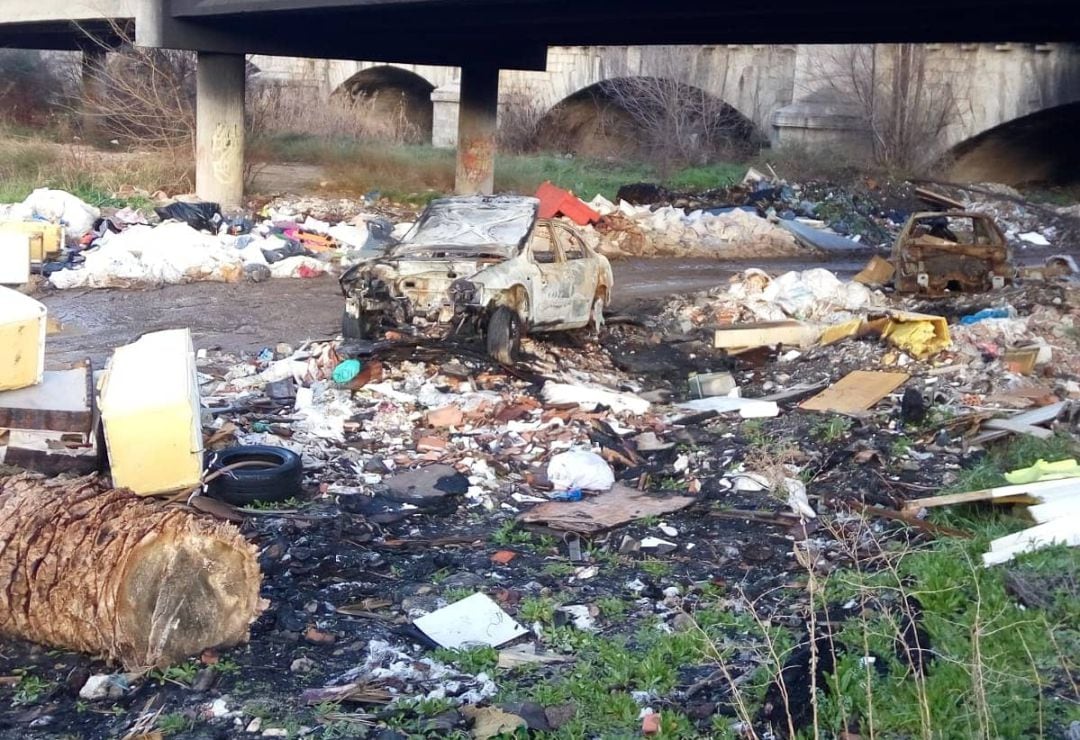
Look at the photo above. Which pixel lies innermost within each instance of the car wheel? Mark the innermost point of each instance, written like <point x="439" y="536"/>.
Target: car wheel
<point x="504" y="335"/>
<point x="355" y="327"/>
<point x="596" y="318"/>
<point x="272" y="474"/>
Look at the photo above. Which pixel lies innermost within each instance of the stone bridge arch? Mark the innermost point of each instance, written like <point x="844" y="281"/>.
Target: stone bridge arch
<point x="645" y="117"/>
<point x="396" y="98"/>
<point x="1039" y="147"/>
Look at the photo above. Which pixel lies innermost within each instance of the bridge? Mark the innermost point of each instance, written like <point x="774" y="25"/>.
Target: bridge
<point x="762" y="70"/>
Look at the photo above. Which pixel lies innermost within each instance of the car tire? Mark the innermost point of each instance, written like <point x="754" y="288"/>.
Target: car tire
<point x="277" y="478"/>
<point x="355" y="327"/>
<point x="504" y="335"/>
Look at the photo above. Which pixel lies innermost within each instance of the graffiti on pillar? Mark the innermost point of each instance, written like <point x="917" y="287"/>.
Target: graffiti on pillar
<point x="224" y="150"/>
<point x="477" y="158"/>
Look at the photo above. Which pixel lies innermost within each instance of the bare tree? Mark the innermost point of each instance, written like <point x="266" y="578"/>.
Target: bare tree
<point x="678" y="121"/>
<point x="520" y="119"/>
<point x="142" y="97"/>
<point x="903" y="108"/>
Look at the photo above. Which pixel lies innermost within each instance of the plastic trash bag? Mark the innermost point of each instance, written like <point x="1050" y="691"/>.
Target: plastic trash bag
<point x="580" y="469"/>
<point x="63" y="208"/>
<point x="200" y="216"/>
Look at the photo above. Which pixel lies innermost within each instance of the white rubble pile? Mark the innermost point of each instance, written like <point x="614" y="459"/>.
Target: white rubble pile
<point x="810" y="295"/>
<point x="669" y="231"/>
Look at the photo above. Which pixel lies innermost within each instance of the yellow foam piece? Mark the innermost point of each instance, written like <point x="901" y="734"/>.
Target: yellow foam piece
<point x="920" y="335"/>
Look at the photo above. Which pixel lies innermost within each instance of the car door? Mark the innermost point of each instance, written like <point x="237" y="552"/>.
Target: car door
<point x="551" y="296"/>
<point x="581" y="275"/>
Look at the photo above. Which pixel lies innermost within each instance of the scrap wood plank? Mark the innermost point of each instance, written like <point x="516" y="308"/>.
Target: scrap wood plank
<point x="1011" y="425"/>
<point x="1021" y="492"/>
<point x="1034" y="417"/>
<point x="1051" y="510"/>
<point x="1057" y="532"/>
<point x="618" y="506"/>
<point x="857" y="391"/>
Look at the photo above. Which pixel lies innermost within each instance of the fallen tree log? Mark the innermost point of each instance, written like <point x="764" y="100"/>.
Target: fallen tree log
<point x="103" y="571"/>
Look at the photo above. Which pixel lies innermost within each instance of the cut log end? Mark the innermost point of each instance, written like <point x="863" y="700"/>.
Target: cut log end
<point x="119" y="576"/>
<point x="183" y="592"/>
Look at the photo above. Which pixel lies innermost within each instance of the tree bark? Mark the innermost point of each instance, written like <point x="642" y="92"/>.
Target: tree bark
<point x="103" y="571"/>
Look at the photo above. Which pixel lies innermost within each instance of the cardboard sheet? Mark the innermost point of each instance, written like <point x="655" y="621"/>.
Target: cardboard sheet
<point x="597" y="513"/>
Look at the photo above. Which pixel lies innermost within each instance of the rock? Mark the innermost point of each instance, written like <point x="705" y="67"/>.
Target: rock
<point x="103" y="686"/>
<point x="318" y="637"/>
<point x="489" y="722"/>
<point x="275" y="732"/>
<point x="445" y="722"/>
<point x="447" y="416"/>
<point x="254" y="725"/>
<point x="533" y="714"/>
<point x="559" y="715"/>
<point x="650" y="724"/>
<point x="683" y="622"/>
<point x="503" y="557"/>
<point x="302" y="665"/>
<point x="203" y="680"/>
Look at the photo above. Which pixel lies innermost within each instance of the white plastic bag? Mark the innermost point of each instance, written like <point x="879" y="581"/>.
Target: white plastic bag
<point x="580" y="469"/>
<point x="64" y="208"/>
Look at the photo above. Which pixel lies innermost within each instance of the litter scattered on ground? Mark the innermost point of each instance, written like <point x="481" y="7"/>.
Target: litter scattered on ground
<point x="414" y="525"/>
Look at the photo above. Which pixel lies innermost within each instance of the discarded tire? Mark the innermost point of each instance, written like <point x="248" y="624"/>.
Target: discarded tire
<point x="276" y="476"/>
<point x="504" y="335"/>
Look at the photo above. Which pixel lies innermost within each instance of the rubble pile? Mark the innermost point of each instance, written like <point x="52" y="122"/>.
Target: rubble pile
<point x="729" y="233"/>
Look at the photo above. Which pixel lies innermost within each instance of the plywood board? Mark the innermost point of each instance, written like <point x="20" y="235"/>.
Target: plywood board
<point x="855" y="392"/>
<point x="60" y="403"/>
<point x="597" y="513"/>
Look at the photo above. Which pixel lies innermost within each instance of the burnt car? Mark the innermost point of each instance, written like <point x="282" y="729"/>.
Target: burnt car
<point x="481" y="262"/>
<point x="951" y="251"/>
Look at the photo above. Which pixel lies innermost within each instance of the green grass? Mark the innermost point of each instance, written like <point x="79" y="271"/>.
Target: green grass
<point x="471" y="660"/>
<point x="174" y="723"/>
<point x="416" y="173"/>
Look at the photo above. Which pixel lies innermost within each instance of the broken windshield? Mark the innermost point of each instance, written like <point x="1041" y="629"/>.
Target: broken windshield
<point x="471" y="222"/>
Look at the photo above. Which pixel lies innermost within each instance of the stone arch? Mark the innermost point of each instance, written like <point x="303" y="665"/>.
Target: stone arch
<point x="397" y="98"/>
<point x="1039" y="147"/>
<point x="633" y="117"/>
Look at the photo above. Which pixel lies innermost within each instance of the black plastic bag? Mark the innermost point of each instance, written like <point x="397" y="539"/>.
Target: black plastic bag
<point x="200" y="216"/>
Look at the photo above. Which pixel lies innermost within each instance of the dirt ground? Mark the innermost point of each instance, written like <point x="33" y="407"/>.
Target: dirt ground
<point x="246" y="317"/>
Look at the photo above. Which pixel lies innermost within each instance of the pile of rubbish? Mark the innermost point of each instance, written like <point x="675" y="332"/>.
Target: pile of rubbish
<point x="187" y="242"/>
<point x="725" y="233"/>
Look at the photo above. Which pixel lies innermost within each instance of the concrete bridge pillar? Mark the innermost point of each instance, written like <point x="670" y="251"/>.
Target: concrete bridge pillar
<point x="445" y="104"/>
<point x="219" y="128"/>
<point x="478" y="110"/>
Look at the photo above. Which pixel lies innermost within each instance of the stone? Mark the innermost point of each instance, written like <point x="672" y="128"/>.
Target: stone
<point x="254" y="725"/>
<point x="103" y="686"/>
<point x="318" y="637"/>
<point x="447" y="416"/>
<point x="302" y="665"/>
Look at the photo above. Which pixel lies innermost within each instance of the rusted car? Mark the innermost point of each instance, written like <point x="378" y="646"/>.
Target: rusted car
<point x="481" y="262"/>
<point x="951" y="251"/>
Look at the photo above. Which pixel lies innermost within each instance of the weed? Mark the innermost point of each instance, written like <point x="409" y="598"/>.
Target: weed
<point x="470" y="660"/>
<point x="227" y="667"/>
<point x="754" y="432"/>
<point x="174" y="723"/>
<point x="507" y="533"/>
<point x="612" y="608"/>
<point x="457" y="593"/>
<point x="559" y="569"/>
<point x="181" y="673"/>
<point x="31" y="689"/>
<point x="655" y="568"/>
<point x="537" y="609"/>
<point x="832" y="429"/>
<point x="899" y="447"/>
<point x="649" y="521"/>
<point x="287" y="504"/>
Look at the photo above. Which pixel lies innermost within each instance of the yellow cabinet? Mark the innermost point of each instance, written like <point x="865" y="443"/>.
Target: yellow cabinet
<point x="22" y="340"/>
<point x="149" y="402"/>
